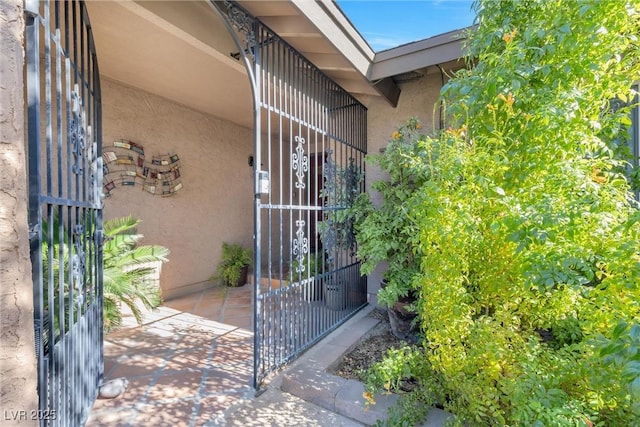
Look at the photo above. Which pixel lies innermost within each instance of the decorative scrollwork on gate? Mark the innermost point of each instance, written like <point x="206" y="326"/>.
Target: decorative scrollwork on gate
<point x="300" y="162"/>
<point x="78" y="265"/>
<point x="84" y="147"/>
<point x="300" y="246"/>
<point x="77" y="131"/>
<point x="243" y="23"/>
<point x="330" y="174"/>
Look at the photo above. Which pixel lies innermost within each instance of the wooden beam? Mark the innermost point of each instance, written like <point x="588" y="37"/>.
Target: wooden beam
<point x="389" y="90"/>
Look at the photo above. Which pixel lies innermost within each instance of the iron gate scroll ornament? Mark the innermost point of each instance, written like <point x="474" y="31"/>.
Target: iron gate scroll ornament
<point x="84" y="152"/>
<point x="76" y="130"/>
<point x="300" y="246"/>
<point x="300" y="162"/>
<point x="243" y="23"/>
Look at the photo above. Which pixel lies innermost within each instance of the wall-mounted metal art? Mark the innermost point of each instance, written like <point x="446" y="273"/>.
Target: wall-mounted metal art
<point x="125" y="164"/>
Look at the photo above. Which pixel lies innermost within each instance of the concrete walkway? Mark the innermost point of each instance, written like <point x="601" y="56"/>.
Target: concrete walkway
<point x="191" y="364"/>
<point x="191" y="360"/>
<point x="307" y="394"/>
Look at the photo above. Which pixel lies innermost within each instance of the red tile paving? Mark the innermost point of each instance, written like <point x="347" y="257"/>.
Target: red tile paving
<point x="189" y="361"/>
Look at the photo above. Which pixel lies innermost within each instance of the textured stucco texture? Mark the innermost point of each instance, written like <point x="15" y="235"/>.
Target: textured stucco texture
<point x="215" y="203"/>
<point x="18" y="396"/>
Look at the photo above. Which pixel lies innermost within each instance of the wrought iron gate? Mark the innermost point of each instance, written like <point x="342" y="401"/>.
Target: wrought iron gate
<point x="65" y="212"/>
<point x="310" y="142"/>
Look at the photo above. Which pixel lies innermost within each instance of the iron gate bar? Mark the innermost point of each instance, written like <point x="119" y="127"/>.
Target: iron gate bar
<point x="310" y="138"/>
<point x="65" y="216"/>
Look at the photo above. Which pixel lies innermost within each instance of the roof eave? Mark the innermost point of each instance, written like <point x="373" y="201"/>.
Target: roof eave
<point x="435" y="50"/>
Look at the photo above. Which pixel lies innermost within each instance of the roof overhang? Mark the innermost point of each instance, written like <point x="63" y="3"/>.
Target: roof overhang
<point x="181" y="50"/>
<point x="321" y="33"/>
<point x="347" y="58"/>
<point x="437" y="50"/>
<point x="444" y="50"/>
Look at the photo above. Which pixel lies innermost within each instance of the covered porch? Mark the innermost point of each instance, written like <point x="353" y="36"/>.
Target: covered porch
<point x="190" y="360"/>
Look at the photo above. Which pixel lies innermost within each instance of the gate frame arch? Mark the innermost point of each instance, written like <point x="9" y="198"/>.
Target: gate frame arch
<point x="286" y="319"/>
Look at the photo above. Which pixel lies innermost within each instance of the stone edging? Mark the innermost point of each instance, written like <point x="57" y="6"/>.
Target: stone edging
<point x="308" y="378"/>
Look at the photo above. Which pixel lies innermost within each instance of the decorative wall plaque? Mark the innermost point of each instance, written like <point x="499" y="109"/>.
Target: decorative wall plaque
<point x="125" y="164"/>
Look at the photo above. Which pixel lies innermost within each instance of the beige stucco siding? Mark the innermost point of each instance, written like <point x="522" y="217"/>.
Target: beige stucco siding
<point x="18" y="396"/>
<point x="215" y="203"/>
<point x="419" y="98"/>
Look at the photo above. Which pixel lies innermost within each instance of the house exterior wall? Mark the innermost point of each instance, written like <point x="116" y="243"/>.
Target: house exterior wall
<point x="215" y="203"/>
<point x="18" y="385"/>
<point x="418" y="98"/>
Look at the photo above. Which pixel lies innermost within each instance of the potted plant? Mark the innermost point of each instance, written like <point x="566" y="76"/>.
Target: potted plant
<point x="234" y="266"/>
<point x="387" y="232"/>
<point x="341" y="188"/>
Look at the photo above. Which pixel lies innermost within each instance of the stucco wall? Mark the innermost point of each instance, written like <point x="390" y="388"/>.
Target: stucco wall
<point x="418" y="98"/>
<point x="18" y="388"/>
<point x="215" y="203"/>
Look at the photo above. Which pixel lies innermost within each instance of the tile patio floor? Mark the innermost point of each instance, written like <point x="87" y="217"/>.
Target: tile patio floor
<point x="190" y="361"/>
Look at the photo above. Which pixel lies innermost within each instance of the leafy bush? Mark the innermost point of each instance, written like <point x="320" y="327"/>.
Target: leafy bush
<point x="234" y="259"/>
<point x="127" y="267"/>
<point x="527" y="236"/>
<point x="387" y="232"/>
<point x="126" y="271"/>
<point x="311" y="265"/>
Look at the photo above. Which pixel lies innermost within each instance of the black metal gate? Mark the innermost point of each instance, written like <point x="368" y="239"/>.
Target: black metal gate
<point x="310" y="142"/>
<point x="65" y="210"/>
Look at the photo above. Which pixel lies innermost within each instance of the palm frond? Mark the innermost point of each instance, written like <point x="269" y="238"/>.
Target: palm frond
<point x="117" y="282"/>
<point x="130" y="302"/>
<point x="111" y="313"/>
<point x="145" y="254"/>
<point x="119" y="226"/>
<point x="149" y="295"/>
<point x="120" y="243"/>
<point x="128" y="268"/>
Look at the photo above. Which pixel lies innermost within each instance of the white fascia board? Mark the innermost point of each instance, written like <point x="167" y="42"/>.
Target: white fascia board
<point x="337" y="29"/>
<point x="417" y="55"/>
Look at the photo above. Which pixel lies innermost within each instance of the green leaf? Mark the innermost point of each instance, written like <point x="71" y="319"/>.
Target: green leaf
<point x="499" y="191"/>
<point x="634" y="332"/>
<point x="634" y="388"/>
<point x="619" y="329"/>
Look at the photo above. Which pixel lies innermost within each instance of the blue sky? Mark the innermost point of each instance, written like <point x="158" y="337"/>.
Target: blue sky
<point x="390" y="23"/>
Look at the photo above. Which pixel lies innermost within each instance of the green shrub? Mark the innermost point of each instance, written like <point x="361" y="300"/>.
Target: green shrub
<point x="527" y="236"/>
<point x="234" y="258"/>
<point x="387" y="232"/>
<point x="126" y="273"/>
<point x="127" y="267"/>
<point x="311" y="265"/>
